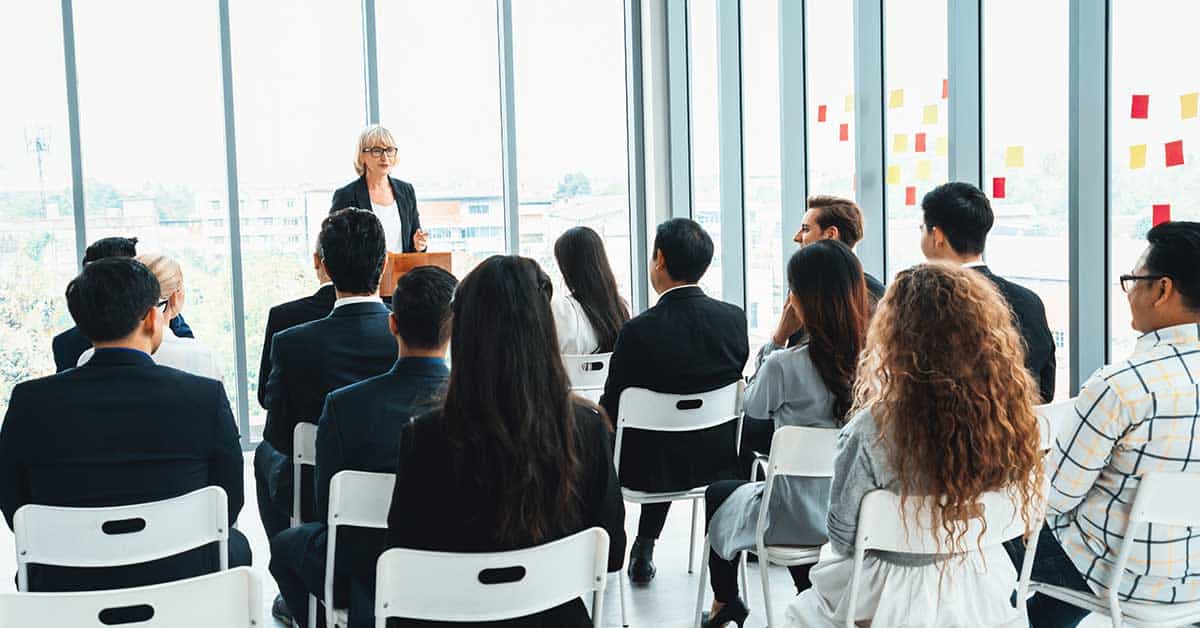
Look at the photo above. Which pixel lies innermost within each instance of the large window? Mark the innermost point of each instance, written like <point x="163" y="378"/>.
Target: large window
<point x="829" y="36"/>
<point x="706" y="171"/>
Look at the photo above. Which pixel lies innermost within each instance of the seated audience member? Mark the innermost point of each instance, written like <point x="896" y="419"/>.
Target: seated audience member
<point x="310" y="360"/>
<point x="510" y="459"/>
<point x="290" y="314"/>
<point x="588" y="318"/>
<point x="1131" y="418"/>
<point x="931" y="418"/>
<point x="120" y="430"/>
<point x="958" y="218"/>
<point x="687" y="343"/>
<point x="71" y="344"/>
<point x="185" y="354"/>
<point x="359" y="430"/>
<point x="808" y="385"/>
<point x="836" y="218"/>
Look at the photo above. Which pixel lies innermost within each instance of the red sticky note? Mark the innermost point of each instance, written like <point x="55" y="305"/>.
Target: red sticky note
<point x="820" y="113"/>
<point x="843" y="132"/>
<point x="1141" y="107"/>
<point x="910" y="195"/>
<point x="945" y="88"/>
<point x="1162" y="213"/>
<point x="919" y="143"/>
<point x="1175" y="153"/>
<point x="998" y="187"/>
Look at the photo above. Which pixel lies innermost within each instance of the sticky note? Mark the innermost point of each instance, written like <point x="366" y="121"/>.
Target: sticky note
<point x="1140" y="109"/>
<point x="924" y="170"/>
<point x="1162" y="213"/>
<point x="1137" y="157"/>
<point x="998" y="185"/>
<point x="945" y="88"/>
<point x="843" y="132"/>
<point x="893" y="175"/>
<point x="849" y="103"/>
<point x="1174" y="153"/>
<point x="1188" y="105"/>
<point x="820" y="113"/>
<point x="910" y="195"/>
<point x="943" y="146"/>
<point x="919" y="142"/>
<point x="896" y="99"/>
<point x="930" y="115"/>
<point x="900" y="143"/>
<point x="1014" y="157"/>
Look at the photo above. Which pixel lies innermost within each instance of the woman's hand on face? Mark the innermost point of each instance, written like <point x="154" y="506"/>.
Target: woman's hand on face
<point x="420" y="240"/>
<point x="789" y="324"/>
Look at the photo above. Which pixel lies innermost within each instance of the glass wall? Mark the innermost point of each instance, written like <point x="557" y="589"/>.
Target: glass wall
<point x="702" y="84"/>
<point x="829" y="26"/>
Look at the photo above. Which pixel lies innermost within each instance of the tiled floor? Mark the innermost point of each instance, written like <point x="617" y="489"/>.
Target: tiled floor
<point x="668" y="602"/>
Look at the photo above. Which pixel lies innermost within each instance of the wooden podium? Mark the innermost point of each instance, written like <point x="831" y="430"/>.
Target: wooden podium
<point x="398" y="264"/>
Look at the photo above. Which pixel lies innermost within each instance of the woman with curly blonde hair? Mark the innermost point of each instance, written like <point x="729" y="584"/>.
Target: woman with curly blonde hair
<point x="943" y="406"/>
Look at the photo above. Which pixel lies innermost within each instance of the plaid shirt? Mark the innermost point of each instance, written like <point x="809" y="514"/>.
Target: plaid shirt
<point x="1137" y="416"/>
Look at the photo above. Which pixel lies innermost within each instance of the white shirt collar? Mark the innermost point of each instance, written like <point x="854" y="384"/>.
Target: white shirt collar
<point x="975" y="264"/>
<point x="352" y="300"/>
<point x="669" y="290"/>
<point x="327" y="283"/>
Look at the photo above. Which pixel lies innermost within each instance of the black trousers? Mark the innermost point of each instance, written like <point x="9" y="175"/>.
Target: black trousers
<point x="1050" y="566"/>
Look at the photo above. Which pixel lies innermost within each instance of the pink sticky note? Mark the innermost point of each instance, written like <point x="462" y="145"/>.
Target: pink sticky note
<point x="1174" y="153"/>
<point x="910" y="195"/>
<point x="820" y="113"/>
<point x="1162" y="213"/>
<point x="998" y="187"/>
<point x="843" y="132"/>
<point x="1141" y="107"/>
<point x="945" y="88"/>
<point x="919" y="143"/>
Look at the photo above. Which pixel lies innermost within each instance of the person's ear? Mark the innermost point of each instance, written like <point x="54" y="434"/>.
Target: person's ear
<point x="151" y="320"/>
<point x="1166" y="288"/>
<point x="832" y="233"/>
<point x="392" y="326"/>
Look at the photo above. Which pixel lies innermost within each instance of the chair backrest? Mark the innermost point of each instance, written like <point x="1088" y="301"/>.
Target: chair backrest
<point x="587" y="372"/>
<point x="796" y="451"/>
<point x="479" y="587"/>
<point x="120" y="535"/>
<point x="359" y="499"/>
<point x="1050" y="417"/>
<point x="230" y="599"/>
<point x="662" y="412"/>
<point x="304" y="452"/>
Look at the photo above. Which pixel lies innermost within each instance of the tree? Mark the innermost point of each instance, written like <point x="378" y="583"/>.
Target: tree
<point x="573" y="184"/>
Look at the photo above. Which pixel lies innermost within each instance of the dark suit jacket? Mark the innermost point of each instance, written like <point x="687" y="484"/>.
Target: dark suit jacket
<point x="874" y="287"/>
<point x="355" y="194"/>
<point x="71" y="344"/>
<point x="1029" y="316"/>
<point x="434" y="508"/>
<point x="285" y="316"/>
<point x="119" y="430"/>
<point x="687" y="343"/>
<point x="313" y="359"/>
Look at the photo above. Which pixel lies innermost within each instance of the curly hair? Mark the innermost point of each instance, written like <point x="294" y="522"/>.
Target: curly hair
<point x="943" y="374"/>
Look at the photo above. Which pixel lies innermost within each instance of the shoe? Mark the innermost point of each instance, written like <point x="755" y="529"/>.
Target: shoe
<point x="734" y="611"/>
<point x="641" y="561"/>
<point x="279" y="610"/>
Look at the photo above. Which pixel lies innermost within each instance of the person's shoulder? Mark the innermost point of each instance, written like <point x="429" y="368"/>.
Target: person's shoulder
<point x="41" y="387"/>
<point x="363" y="390"/>
<point x="1013" y="291"/>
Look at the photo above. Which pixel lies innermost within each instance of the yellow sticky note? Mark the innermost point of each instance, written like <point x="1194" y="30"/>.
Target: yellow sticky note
<point x="896" y="99"/>
<point x="1188" y="105"/>
<point x="930" y="115"/>
<point x="893" y="175"/>
<point x="924" y="170"/>
<point x="1014" y="157"/>
<point x="943" y="146"/>
<point x="1137" y="157"/>
<point x="900" y="143"/>
<point x="849" y="103"/>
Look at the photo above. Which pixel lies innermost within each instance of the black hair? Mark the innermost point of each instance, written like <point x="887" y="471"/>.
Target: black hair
<point x="421" y="306"/>
<point x="585" y="270"/>
<point x="110" y="297"/>
<point x="1175" y="252"/>
<point x="686" y="249"/>
<point x="110" y="247"/>
<point x="962" y="212"/>
<point x="353" y="247"/>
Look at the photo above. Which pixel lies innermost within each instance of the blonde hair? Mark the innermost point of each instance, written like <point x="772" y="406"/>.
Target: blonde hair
<point x="167" y="270"/>
<point x="371" y="136"/>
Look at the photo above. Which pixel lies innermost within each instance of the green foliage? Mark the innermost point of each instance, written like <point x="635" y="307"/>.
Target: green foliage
<point x="573" y="184"/>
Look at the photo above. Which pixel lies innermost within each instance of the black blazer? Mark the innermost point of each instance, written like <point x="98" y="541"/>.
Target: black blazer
<point x="71" y="344"/>
<point x="119" y="430"/>
<point x="287" y="315"/>
<point x="1029" y="316"/>
<point x="875" y="288"/>
<point x="355" y="194"/>
<point x="311" y="360"/>
<point x="687" y="343"/>
<point x="435" y="509"/>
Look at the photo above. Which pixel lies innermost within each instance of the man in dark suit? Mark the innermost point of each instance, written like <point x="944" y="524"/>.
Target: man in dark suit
<point x="958" y="217"/>
<point x="310" y="360"/>
<point x="120" y="430"/>
<point x="687" y="343"/>
<point x="359" y="430"/>
<point x="288" y="315"/>
<point x="836" y="218"/>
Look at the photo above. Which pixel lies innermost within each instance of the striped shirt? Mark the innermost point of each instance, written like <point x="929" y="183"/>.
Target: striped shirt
<point x="1133" y="417"/>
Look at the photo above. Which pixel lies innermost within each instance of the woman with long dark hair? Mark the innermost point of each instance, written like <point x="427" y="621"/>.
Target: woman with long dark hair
<point x="511" y="459"/>
<point x="589" y="317"/>
<point x="808" y="385"/>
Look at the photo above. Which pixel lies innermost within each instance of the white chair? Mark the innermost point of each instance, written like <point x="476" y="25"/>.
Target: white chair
<point x="1157" y="501"/>
<point x="588" y="373"/>
<point x="795" y="452"/>
<point x="479" y="587"/>
<point x="120" y="535"/>
<point x="230" y="599"/>
<point x="304" y="453"/>
<point x="882" y="527"/>
<point x="1051" y="417"/>
<point x="358" y="499"/>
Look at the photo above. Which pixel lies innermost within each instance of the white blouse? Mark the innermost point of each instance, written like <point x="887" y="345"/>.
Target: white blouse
<point x="186" y="354"/>
<point x="575" y="333"/>
<point x="393" y="230"/>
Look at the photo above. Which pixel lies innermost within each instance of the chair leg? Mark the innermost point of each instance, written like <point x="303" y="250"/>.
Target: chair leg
<point x="764" y="570"/>
<point x="745" y="582"/>
<point x="621" y="593"/>
<point x="312" y="611"/>
<point x="692" y="541"/>
<point x="702" y="583"/>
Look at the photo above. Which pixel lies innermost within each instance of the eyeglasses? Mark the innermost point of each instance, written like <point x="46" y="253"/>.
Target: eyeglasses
<point x="376" y="151"/>
<point x="162" y="305"/>
<point x="1127" y="281"/>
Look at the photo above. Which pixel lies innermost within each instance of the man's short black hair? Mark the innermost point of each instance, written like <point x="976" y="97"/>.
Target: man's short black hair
<point x="963" y="213"/>
<point x="1175" y="252"/>
<point x="110" y="297"/>
<point x="421" y="306"/>
<point x="353" y="246"/>
<point x="110" y="247"/>
<point x="685" y="247"/>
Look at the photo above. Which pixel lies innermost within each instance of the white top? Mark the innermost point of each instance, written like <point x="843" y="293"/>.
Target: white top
<point x="575" y="333"/>
<point x="352" y="300"/>
<point x="186" y="354"/>
<point x="393" y="231"/>
<point x="686" y="285"/>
